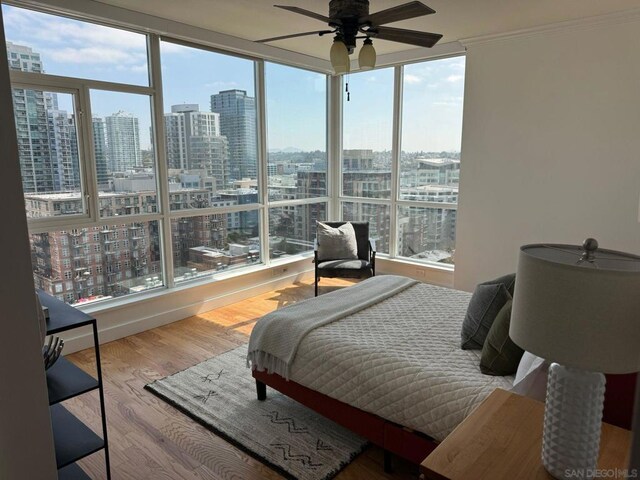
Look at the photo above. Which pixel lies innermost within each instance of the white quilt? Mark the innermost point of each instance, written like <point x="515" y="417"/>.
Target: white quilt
<point x="401" y="360"/>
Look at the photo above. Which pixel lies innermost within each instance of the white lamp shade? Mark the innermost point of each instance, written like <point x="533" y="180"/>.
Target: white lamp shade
<point x="339" y="56"/>
<point x="578" y="313"/>
<point x="367" y="57"/>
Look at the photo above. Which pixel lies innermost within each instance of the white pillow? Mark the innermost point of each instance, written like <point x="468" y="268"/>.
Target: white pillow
<point x="337" y="243"/>
<point x="528" y="363"/>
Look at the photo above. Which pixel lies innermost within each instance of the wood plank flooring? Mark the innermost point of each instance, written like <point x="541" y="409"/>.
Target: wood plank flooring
<point x="149" y="439"/>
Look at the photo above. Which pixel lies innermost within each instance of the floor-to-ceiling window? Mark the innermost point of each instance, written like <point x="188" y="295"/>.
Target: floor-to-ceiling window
<point x="147" y="162"/>
<point x="211" y="155"/>
<point x="429" y="161"/>
<point x="410" y="187"/>
<point x="366" y="167"/>
<point x="297" y="171"/>
<point x="141" y="157"/>
<point x="82" y="101"/>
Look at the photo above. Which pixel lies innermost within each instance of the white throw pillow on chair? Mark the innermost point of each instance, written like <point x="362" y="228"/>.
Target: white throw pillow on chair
<point x="336" y="243"/>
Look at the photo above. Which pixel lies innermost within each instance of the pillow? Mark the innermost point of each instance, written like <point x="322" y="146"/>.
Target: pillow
<point x="534" y="383"/>
<point x="336" y="243"/>
<point x="509" y="282"/>
<point x="528" y="363"/>
<point x="500" y="356"/>
<point x="487" y="300"/>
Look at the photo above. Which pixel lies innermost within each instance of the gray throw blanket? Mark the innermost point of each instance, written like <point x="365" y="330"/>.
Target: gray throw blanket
<point x="275" y="338"/>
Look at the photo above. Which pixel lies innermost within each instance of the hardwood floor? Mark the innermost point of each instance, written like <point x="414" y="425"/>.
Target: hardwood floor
<point x="149" y="439"/>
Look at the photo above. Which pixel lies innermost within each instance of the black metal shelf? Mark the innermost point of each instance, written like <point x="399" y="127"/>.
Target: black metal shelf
<point x="62" y="317"/>
<point x="65" y="380"/>
<point x="73" y="439"/>
<point x="72" y="472"/>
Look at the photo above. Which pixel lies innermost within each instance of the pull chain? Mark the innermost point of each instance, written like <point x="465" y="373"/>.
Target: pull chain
<point x="347" y="89"/>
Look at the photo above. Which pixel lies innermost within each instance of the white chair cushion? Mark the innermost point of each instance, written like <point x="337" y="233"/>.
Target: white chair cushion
<point x="337" y="243"/>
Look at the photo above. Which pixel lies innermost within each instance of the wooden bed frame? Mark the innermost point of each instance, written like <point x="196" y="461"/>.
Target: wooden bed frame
<point x="410" y="444"/>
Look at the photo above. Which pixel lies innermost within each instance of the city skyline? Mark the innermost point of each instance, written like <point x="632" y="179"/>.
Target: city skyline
<point x="211" y="145"/>
<point x="85" y="50"/>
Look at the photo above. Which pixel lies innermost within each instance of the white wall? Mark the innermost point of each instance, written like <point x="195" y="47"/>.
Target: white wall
<point x="551" y="146"/>
<point x="26" y="442"/>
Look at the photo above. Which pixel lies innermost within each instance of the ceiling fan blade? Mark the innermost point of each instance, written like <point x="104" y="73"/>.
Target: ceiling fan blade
<point x="412" y="37"/>
<point x="294" y="35"/>
<point x="401" y="12"/>
<point x="307" y="13"/>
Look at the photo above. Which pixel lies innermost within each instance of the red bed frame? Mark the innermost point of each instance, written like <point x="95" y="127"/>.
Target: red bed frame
<point x="410" y="444"/>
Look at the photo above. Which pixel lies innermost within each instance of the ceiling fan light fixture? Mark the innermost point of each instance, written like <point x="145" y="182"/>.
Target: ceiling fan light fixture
<point x="339" y="56"/>
<point x="367" y="55"/>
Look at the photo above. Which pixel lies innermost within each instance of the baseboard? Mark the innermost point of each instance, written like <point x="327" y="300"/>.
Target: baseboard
<point x="82" y="339"/>
<point x="123" y="321"/>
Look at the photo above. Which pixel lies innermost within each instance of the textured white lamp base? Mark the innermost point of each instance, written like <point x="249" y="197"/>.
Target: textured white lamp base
<point x="572" y="422"/>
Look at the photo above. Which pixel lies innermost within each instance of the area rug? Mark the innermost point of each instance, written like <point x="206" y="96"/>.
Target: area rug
<point x="220" y="394"/>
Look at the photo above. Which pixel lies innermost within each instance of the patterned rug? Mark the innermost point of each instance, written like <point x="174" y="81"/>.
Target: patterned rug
<point x="220" y="394"/>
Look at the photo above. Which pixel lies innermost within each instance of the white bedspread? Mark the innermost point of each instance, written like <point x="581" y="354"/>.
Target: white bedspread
<point x="275" y="338"/>
<point x="401" y="360"/>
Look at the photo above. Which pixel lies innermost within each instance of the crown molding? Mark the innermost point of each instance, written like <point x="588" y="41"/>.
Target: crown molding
<point x="625" y="16"/>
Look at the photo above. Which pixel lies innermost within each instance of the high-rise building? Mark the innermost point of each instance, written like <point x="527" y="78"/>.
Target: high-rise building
<point x="83" y="264"/>
<point x="100" y="152"/>
<point x="39" y="173"/>
<point x="361" y="178"/>
<point x="63" y="150"/>
<point x="23" y="58"/>
<point x="238" y="123"/>
<point x="46" y="134"/>
<point x="123" y="142"/>
<point x="194" y="142"/>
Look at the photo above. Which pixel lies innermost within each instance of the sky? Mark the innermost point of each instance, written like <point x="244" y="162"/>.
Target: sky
<point x="295" y="98"/>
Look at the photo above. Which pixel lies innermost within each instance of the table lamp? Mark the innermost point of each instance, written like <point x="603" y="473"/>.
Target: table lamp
<point x="578" y="307"/>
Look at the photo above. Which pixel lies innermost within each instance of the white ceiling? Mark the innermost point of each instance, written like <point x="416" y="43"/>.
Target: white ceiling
<point x="456" y="19"/>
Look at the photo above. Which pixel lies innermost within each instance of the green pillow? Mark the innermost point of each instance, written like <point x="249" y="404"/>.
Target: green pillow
<point x="500" y="356"/>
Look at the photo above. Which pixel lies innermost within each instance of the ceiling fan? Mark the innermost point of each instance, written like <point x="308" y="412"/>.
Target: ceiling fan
<point x="348" y="18"/>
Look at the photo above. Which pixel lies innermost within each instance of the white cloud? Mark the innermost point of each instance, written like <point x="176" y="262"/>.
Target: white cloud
<point x="70" y="41"/>
<point x="454" y="78"/>
<point x="97" y="55"/>
<point x="142" y="68"/>
<point x="220" y="85"/>
<point x="449" y="101"/>
<point x="412" y="79"/>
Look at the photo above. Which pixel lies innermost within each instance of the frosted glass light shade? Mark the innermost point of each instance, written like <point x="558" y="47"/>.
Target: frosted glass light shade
<point x="339" y="56"/>
<point x="579" y="313"/>
<point x="367" y="57"/>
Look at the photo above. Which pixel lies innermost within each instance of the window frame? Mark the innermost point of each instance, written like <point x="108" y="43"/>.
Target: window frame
<point x="30" y="81"/>
<point x="394" y="203"/>
<point x="333" y="134"/>
<point x="264" y="161"/>
<point x="81" y="89"/>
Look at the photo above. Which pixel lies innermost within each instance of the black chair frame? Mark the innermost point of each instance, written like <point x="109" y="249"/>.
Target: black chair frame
<point x="366" y="252"/>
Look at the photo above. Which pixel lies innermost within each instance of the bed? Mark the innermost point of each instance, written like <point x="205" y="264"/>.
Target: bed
<point x="390" y="369"/>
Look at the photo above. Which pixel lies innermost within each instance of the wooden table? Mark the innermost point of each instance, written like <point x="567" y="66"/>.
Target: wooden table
<point x="502" y="439"/>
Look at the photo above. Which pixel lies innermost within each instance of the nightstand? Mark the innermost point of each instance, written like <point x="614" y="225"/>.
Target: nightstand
<point x="502" y="439"/>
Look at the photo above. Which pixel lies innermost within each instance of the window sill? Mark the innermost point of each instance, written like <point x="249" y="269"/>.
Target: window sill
<point x="152" y="294"/>
<point x="203" y="281"/>
<point x="445" y="267"/>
